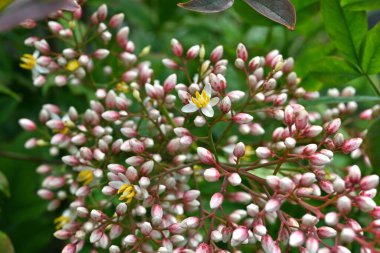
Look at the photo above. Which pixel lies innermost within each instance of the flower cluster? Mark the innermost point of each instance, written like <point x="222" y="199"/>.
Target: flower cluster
<point x="192" y="164"/>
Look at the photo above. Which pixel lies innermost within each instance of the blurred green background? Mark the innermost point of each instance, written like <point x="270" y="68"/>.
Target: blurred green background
<point x="153" y="22"/>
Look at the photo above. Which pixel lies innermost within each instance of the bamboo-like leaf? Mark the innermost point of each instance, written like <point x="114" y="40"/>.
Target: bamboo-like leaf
<point x="208" y="6"/>
<point x="20" y="10"/>
<point x="6" y="245"/>
<point x="370" y="61"/>
<point x="372" y="143"/>
<point x="280" y="11"/>
<point x="4" y="185"/>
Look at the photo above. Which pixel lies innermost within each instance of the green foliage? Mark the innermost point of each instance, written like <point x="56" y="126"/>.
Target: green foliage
<point x="4" y="185"/>
<point x="370" y="61"/>
<point x="372" y="144"/>
<point x="5" y="243"/>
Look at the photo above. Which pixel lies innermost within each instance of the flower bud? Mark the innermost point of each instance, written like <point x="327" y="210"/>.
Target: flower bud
<point x="333" y="126"/>
<point x="225" y="105"/>
<point x="234" y="179"/>
<point x="193" y="52"/>
<point x="239" y="150"/>
<point x="27" y="124"/>
<point x="326" y="232"/>
<point x="296" y="239"/>
<point x="211" y="175"/>
<point x="272" y="205"/>
<point x="216" y="54"/>
<point x="205" y="156"/>
<point x="344" y="204"/>
<point x="369" y="182"/>
<point x="351" y="145"/>
<point x="365" y="204"/>
<point x="216" y="200"/>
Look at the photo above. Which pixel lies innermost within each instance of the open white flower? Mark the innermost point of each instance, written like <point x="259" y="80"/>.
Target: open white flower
<point x="202" y="101"/>
<point x="29" y="61"/>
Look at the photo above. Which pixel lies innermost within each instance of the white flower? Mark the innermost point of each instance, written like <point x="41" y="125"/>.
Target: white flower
<point x="202" y="101"/>
<point x="29" y="62"/>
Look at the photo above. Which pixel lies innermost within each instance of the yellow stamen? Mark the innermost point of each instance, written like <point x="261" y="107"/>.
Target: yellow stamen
<point x="248" y="153"/>
<point x="197" y="169"/>
<point x="122" y="87"/>
<point x="201" y="100"/>
<point x="127" y="192"/>
<point x="85" y="176"/>
<point x="61" y="221"/>
<point x="27" y="61"/>
<point x="72" y="65"/>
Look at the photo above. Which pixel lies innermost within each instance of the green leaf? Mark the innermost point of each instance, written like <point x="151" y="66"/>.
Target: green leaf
<point x="345" y="28"/>
<point x="4" y="89"/>
<point x="280" y="11"/>
<point x="372" y="144"/>
<point x="370" y="60"/>
<point x="208" y="6"/>
<point x="361" y="5"/>
<point x="337" y="100"/>
<point x="334" y="71"/>
<point x="6" y="245"/>
<point x="4" y="185"/>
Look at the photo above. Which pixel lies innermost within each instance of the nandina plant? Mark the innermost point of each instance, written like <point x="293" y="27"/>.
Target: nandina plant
<point x="190" y="163"/>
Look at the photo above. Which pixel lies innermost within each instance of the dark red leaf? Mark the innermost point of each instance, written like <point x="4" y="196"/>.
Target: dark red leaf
<point x="280" y="11"/>
<point x="208" y="6"/>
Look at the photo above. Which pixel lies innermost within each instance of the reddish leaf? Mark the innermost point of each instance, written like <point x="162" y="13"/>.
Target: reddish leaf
<point x="280" y="11"/>
<point x="208" y="6"/>
<point x="20" y="10"/>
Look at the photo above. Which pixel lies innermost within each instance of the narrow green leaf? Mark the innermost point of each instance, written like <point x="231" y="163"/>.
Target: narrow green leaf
<point x="337" y="100"/>
<point x="4" y="185"/>
<point x="6" y="245"/>
<point x="361" y="5"/>
<point x="208" y="6"/>
<point x="370" y="60"/>
<point x="372" y="144"/>
<point x="345" y="28"/>
<point x="280" y="11"/>
<point x="334" y="71"/>
<point x="4" y="89"/>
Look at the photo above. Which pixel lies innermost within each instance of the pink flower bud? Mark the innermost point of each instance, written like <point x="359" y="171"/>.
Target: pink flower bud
<point x="205" y="156"/>
<point x="289" y="116"/>
<point x="203" y="248"/>
<point x="70" y="160"/>
<point x="301" y="119"/>
<point x="69" y="248"/>
<point x="312" y="131"/>
<point x="216" y="200"/>
<point x="326" y="232"/>
<point x="307" y="179"/>
<point x="27" y="124"/>
<point x="211" y="175"/>
<point x="267" y="243"/>
<point x="116" y="20"/>
<point x="273" y="182"/>
<point x="263" y="152"/>
<point x="296" y="239"/>
<point x="170" y="64"/>
<point x="136" y="146"/>
<point x="177" y="48"/>
<point x="319" y="159"/>
<point x="191" y="195"/>
<point x="145" y="228"/>
<point x="309" y="149"/>
<point x="344" y="204"/>
<point x="312" y="245"/>
<point x="62" y="234"/>
<point x="170" y="82"/>
<point x="347" y="235"/>
<point x="351" y="145"/>
<point x="365" y="204"/>
<point x="96" y="235"/>
<point x="156" y="213"/>
<point x="102" y="12"/>
<point x="354" y="174"/>
<point x="216" y="54"/>
<point x="242" y="118"/>
<point x="129" y="240"/>
<point x="193" y="52"/>
<point x="135" y="160"/>
<point x="234" y="179"/>
<point x="176" y="228"/>
<point x="241" y="52"/>
<point x="375" y="213"/>
<point x="101" y="53"/>
<point x="225" y="105"/>
<point x="97" y="215"/>
<point x="42" y="46"/>
<point x="333" y="126"/>
<point x="239" y="235"/>
<point x="239" y="150"/>
<point x="54" y="26"/>
<point x="272" y="205"/>
<point x="369" y="182"/>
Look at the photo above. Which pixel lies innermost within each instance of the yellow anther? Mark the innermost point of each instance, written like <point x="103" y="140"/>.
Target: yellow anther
<point x="86" y="176"/>
<point x="197" y="169"/>
<point x="122" y="87"/>
<point x="27" y="61"/>
<point x="127" y="192"/>
<point x="72" y="65"/>
<point x="201" y="100"/>
<point x="61" y="221"/>
<point x="248" y="153"/>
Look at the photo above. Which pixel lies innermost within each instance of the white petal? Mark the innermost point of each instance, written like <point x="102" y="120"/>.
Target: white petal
<point x="115" y="184"/>
<point x="190" y="107"/>
<point x="41" y="69"/>
<point x="36" y="54"/>
<point x="123" y="178"/>
<point x="214" y="101"/>
<point x="208" y="111"/>
<point x="207" y="89"/>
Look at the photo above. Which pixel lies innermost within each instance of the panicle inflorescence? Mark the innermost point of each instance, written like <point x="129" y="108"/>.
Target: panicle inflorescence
<point x="191" y="163"/>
